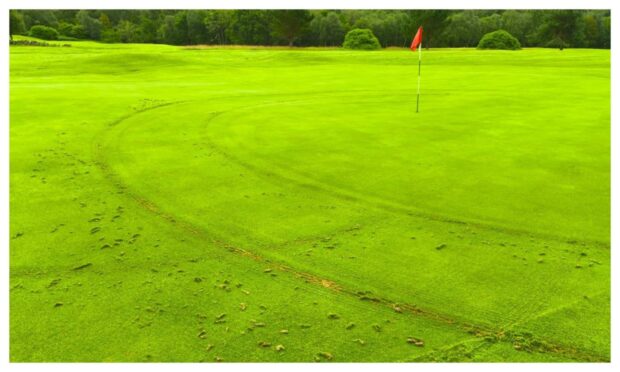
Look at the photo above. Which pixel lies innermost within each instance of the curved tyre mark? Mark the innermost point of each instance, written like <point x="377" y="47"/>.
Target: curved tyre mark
<point x="382" y="204"/>
<point x="483" y="332"/>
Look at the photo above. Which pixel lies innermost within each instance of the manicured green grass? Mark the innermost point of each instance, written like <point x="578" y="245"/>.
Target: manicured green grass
<point x="156" y="188"/>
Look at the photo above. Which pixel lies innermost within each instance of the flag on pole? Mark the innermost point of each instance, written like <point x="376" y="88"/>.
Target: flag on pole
<point x="417" y="41"/>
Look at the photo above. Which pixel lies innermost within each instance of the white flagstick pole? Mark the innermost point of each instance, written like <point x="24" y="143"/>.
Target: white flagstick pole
<point x="417" y="106"/>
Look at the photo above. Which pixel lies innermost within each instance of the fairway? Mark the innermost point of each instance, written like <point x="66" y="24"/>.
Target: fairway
<point x="287" y="204"/>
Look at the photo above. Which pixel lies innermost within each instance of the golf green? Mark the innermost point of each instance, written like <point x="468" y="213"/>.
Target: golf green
<point x="274" y="204"/>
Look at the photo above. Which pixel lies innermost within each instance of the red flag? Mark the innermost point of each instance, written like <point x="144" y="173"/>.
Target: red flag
<point x="417" y="39"/>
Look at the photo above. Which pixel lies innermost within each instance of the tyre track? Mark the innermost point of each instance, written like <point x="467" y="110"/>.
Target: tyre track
<point x="484" y="332"/>
<point x="379" y="203"/>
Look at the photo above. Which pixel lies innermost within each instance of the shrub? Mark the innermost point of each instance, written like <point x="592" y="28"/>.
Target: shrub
<point x="43" y="32"/>
<point x="361" y="38"/>
<point x="499" y="39"/>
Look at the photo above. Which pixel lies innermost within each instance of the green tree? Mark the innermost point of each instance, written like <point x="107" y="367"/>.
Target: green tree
<point x="147" y="30"/>
<point x="327" y="29"/>
<point x="16" y="24"/>
<point x="40" y="17"/>
<point x="127" y="31"/>
<point x="166" y="32"/>
<point x="434" y="23"/>
<point x="92" y="26"/>
<point x="196" y="29"/>
<point x="78" y="32"/>
<point x="216" y="22"/>
<point x="519" y="23"/>
<point x="606" y="32"/>
<point x="105" y="21"/>
<point x="563" y="27"/>
<point x="174" y="29"/>
<point x="390" y="27"/>
<point x="180" y="31"/>
<point x="491" y="23"/>
<point x="108" y="33"/>
<point x="288" y="24"/>
<point x="250" y="27"/>
<point x="65" y="15"/>
<point x="400" y="34"/>
<point x="65" y="28"/>
<point x="463" y="30"/>
<point x="596" y="29"/>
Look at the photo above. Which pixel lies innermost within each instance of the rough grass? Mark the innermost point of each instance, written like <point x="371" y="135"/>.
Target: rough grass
<point x="256" y="204"/>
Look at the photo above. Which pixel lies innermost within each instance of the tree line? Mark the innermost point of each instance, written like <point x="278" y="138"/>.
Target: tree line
<point x="443" y="28"/>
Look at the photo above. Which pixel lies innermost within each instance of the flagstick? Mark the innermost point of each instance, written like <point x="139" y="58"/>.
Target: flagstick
<point x="417" y="106"/>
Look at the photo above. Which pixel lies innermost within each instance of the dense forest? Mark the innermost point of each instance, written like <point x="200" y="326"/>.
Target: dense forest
<point x="443" y="28"/>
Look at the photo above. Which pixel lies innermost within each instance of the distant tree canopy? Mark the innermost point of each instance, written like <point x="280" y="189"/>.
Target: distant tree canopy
<point x="442" y="28"/>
